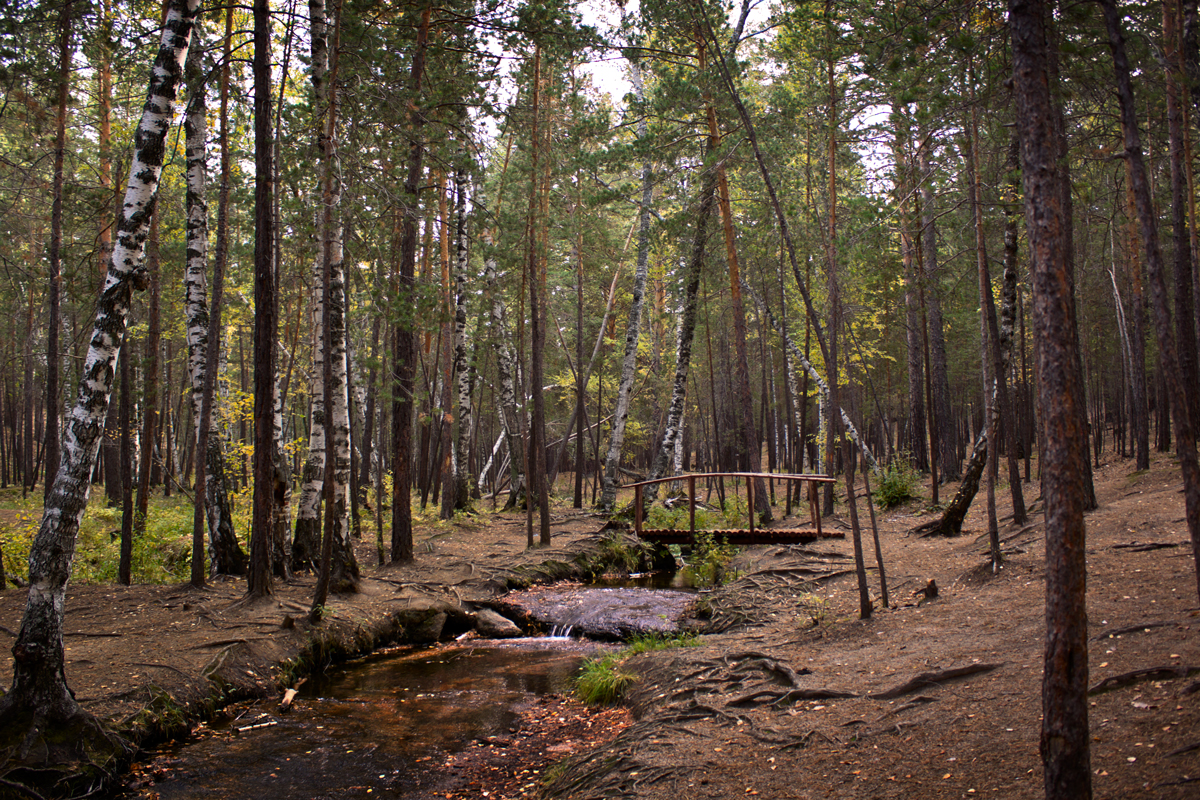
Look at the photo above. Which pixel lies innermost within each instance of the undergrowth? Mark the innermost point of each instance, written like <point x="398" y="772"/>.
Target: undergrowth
<point x="897" y="485"/>
<point x="708" y="563"/>
<point x="604" y="680"/>
<point x="163" y="554"/>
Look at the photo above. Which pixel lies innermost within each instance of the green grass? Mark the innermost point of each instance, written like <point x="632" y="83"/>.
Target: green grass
<point x="604" y="680"/>
<point x="162" y="555"/>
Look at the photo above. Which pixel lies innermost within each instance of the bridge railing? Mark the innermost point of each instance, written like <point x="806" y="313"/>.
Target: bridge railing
<point x="811" y="481"/>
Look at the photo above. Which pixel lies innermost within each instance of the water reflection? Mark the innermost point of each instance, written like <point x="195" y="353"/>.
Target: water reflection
<point x="367" y="729"/>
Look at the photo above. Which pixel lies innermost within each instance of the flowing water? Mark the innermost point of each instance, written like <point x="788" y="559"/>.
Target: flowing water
<point x="367" y="729"/>
<point x="378" y="727"/>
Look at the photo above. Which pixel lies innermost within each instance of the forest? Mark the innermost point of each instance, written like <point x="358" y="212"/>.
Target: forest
<point x="359" y="258"/>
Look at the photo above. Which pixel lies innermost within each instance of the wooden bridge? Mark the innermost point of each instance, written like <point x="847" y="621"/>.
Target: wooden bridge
<point x="738" y="536"/>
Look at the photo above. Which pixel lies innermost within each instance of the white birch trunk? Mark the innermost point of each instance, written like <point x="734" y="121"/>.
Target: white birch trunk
<point x="608" y="494"/>
<point x="822" y="386"/>
<point x="462" y="369"/>
<point x="506" y="367"/>
<point x="344" y="567"/>
<point x="39" y="684"/>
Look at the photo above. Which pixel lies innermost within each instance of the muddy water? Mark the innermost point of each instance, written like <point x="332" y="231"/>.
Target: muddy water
<point x="372" y="729"/>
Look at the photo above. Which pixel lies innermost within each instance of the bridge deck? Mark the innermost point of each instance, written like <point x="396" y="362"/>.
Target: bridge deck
<point x="742" y="536"/>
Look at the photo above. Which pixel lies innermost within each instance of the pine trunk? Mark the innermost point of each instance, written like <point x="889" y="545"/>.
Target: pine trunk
<point x="404" y="350"/>
<point x="1064" y="736"/>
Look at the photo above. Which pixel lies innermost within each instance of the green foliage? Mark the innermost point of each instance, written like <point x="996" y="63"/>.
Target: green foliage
<point x="815" y="608"/>
<point x="162" y="555"/>
<point x="616" y="556"/>
<point x="708" y="564"/>
<point x="604" y="680"/>
<point x="677" y="518"/>
<point x="20" y="525"/>
<point x="897" y="485"/>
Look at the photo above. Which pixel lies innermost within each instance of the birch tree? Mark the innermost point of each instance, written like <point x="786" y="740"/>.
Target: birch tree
<point x="40" y="700"/>
<point x="612" y="461"/>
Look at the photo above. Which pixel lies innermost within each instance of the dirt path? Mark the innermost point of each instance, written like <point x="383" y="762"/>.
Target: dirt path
<point x="777" y="700"/>
<point x="929" y="699"/>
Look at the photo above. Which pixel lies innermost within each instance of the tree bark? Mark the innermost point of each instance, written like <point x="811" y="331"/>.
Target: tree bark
<point x="212" y="497"/>
<point x="949" y="463"/>
<point x="914" y="338"/>
<point x="265" y="309"/>
<point x="463" y="370"/>
<point x="54" y="289"/>
<point x="404" y="350"/>
<point x="1064" y="736"/>
<point x="149" y="383"/>
<point x="536" y="275"/>
<point x="687" y="330"/>
<point x="608" y="494"/>
<point x="39" y="685"/>
<point x="1185" y="436"/>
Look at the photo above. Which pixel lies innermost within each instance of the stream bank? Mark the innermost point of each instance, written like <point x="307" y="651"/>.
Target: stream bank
<point x="153" y="661"/>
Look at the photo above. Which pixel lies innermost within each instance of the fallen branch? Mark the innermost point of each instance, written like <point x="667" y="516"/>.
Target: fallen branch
<point x="285" y="704"/>
<point x="927" y="679"/>
<point x="1140" y="675"/>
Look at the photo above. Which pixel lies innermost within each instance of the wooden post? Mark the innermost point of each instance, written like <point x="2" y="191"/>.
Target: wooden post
<point x="637" y="510"/>
<point x="813" y="507"/>
<point x="692" y="505"/>
<point x="750" y="502"/>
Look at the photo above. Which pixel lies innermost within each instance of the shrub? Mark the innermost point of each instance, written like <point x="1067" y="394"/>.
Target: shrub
<point x="897" y="485"/>
<point x="709" y="561"/>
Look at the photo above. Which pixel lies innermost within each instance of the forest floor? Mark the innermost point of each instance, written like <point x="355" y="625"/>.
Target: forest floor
<point x="788" y="694"/>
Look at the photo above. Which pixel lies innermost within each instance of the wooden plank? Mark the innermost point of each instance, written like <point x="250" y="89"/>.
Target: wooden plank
<point x="744" y="537"/>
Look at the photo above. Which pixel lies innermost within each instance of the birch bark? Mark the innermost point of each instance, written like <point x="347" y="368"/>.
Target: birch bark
<point x="612" y="461"/>
<point x="39" y="684"/>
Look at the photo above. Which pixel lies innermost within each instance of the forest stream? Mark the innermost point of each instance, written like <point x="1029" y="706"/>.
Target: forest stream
<point x="382" y="726"/>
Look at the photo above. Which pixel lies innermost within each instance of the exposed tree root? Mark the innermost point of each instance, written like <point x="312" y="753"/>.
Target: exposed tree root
<point x="1140" y="675"/>
<point x="927" y="679"/>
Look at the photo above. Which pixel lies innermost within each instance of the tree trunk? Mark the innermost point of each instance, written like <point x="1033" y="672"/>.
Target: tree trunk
<point x="463" y="370"/>
<point x="194" y="290"/>
<point x="1139" y="392"/>
<point x="125" y="564"/>
<point x="748" y="439"/>
<point x="612" y="462"/>
<point x="914" y="337"/>
<point x="149" y="383"/>
<point x="506" y="369"/>
<point x="1185" y="319"/>
<point x="39" y="688"/>
<point x="687" y="330"/>
<point x="536" y="275"/>
<point x="225" y="552"/>
<point x="265" y="309"/>
<point x="1064" y="737"/>
<point x="1177" y="388"/>
<point x="54" y="289"/>
<point x="404" y="351"/>
<point x="948" y="461"/>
